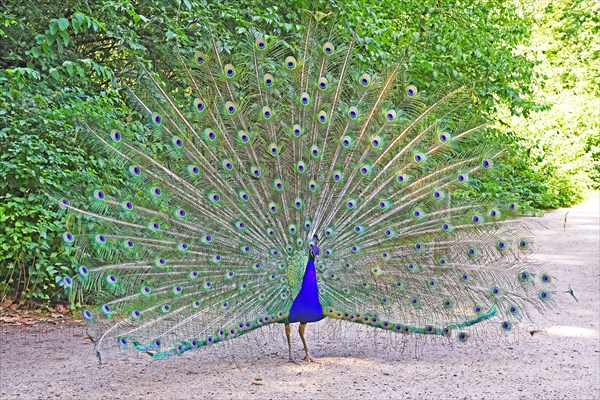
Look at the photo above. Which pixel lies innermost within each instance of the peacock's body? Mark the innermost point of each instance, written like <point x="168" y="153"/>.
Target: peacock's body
<point x="280" y="185"/>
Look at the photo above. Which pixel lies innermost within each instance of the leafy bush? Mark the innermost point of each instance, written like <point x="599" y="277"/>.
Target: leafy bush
<point x="60" y="59"/>
<point x="39" y="155"/>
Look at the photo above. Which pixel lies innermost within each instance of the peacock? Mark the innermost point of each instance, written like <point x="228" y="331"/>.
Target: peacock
<point x="286" y="185"/>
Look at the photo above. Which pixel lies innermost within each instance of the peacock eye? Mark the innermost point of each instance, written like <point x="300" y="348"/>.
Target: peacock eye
<point x="230" y="108"/>
<point x="255" y="172"/>
<point x="376" y="142"/>
<point x="229" y="70"/>
<point x="243" y="136"/>
<point x="260" y="43"/>
<point x="290" y="62"/>
<point x="177" y="141"/>
<point x="193" y="169"/>
<point x="346" y="141"/>
<point x="198" y="105"/>
<point x="304" y="98"/>
<point x="365" y="79"/>
<point x="314" y="151"/>
<point x="390" y="115"/>
<point x="322" y="117"/>
<point x="200" y="58"/>
<point x="323" y="83"/>
<point x="353" y="112"/>
<point x="444" y="137"/>
<point x="268" y="80"/>
<point x="296" y="130"/>
<point x="210" y="135"/>
<point x="267" y="112"/>
<point x="99" y="194"/>
<point x="115" y="136"/>
<point x="63" y="203"/>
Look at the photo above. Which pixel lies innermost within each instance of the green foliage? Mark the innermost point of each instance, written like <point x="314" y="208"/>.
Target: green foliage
<point x="558" y="148"/>
<point x="59" y="61"/>
<point x="39" y="155"/>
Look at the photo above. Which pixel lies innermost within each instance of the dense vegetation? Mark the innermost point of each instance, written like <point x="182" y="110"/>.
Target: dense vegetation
<point x="530" y="65"/>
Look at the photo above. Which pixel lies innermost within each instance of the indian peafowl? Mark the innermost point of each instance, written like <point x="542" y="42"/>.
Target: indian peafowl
<point x="283" y="185"/>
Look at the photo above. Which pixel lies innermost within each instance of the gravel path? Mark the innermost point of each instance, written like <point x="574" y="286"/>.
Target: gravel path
<point x="560" y="361"/>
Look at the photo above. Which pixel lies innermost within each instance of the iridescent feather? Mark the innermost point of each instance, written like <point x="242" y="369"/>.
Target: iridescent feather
<point x="271" y="160"/>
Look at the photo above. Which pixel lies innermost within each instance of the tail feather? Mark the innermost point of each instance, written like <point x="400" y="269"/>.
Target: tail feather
<point x="247" y="157"/>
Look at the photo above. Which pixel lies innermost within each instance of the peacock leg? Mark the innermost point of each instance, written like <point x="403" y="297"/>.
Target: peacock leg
<point x="301" y="329"/>
<point x="289" y="340"/>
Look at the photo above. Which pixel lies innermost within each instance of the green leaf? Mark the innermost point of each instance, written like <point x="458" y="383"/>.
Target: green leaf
<point x="80" y="71"/>
<point x="36" y="51"/>
<point x="63" y="23"/>
<point x="54" y="72"/>
<point x="69" y="67"/>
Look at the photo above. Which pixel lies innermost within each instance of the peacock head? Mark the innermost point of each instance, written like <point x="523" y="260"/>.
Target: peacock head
<point x="314" y="248"/>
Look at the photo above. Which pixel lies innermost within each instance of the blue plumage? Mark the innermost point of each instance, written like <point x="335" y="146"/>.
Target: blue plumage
<point x="306" y="306"/>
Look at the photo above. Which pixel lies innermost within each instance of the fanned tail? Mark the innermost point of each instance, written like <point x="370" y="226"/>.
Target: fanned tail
<point x="253" y="154"/>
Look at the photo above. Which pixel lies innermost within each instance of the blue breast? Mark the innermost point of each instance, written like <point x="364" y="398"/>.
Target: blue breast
<point x="306" y="306"/>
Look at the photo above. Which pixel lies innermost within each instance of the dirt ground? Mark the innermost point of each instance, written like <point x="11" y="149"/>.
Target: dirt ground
<point x="560" y="360"/>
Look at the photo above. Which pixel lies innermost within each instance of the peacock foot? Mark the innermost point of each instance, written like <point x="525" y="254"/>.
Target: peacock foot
<point x="309" y="359"/>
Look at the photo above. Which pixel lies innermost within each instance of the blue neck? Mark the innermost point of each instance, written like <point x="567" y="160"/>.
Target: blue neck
<point x="306" y="306"/>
